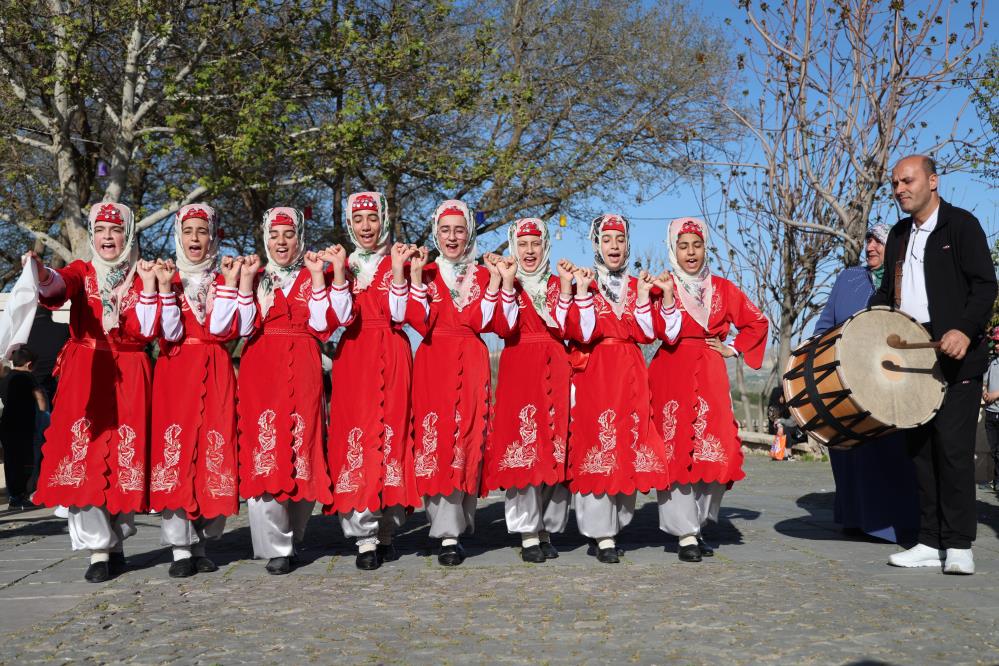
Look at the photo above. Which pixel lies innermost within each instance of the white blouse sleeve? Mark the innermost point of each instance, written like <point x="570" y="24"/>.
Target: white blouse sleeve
<point x="341" y="301"/>
<point x="488" y="306"/>
<point x="510" y="308"/>
<point x="673" y="320"/>
<point x="587" y="316"/>
<point x="50" y="283"/>
<point x="145" y="310"/>
<point x="398" y="295"/>
<point x="223" y="310"/>
<point x="247" y="309"/>
<point x="173" y="328"/>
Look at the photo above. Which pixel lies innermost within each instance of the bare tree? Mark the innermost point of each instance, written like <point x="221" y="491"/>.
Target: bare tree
<point x="841" y="89"/>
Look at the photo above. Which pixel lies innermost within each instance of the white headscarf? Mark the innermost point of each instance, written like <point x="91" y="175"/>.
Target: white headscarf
<point x="695" y="290"/>
<point x="612" y="284"/>
<point x="534" y="283"/>
<point x="458" y="274"/>
<point x="364" y="263"/>
<point x="197" y="278"/>
<point x="115" y="277"/>
<point x="275" y="276"/>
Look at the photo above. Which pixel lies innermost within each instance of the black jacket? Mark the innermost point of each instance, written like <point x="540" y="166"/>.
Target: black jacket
<point x="960" y="283"/>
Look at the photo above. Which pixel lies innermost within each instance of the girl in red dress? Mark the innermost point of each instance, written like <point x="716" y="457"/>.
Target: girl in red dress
<point x="94" y="456"/>
<point x="282" y="465"/>
<point x="525" y="453"/>
<point x="370" y="447"/>
<point x="613" y="449"/>
<point x="690" y="392"/>
<point x="193" y="456"/>
<point x="450" y="375"/>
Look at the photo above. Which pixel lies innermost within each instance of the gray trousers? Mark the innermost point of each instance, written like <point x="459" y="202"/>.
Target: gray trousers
<point x="535" y="509"/>
<point x="370" y="527"/>
<point x="683" y="510"/>
<point x="275" y="527"/>
<point x="451" y="515"/>
<point x="177" y="530"/>
<point x="603" y="516"/>
<point x="93" y="528"/>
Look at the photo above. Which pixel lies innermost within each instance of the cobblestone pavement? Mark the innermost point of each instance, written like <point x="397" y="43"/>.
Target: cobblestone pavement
<point x="785" y="587"/>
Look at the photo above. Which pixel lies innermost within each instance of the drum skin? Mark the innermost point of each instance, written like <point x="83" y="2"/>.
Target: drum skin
<point x="848" y="386"/>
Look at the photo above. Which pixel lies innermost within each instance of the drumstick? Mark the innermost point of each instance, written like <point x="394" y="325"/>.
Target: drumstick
<point x="896" y="342"/>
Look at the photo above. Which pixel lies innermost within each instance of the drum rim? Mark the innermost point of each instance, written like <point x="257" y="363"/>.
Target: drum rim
<point x="839" y="365"/>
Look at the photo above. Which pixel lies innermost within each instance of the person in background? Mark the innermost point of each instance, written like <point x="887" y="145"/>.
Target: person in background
<point x="23" y="399"/>
<point x="990" y="394"/>
<point x="875" y="482"/>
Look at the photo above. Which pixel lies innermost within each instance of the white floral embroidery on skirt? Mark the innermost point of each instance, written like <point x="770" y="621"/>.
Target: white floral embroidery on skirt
<point x="426" y="457"/>
<point x="131" y="477"/>
<point x="221" y="482"/>
<point x="264" y="456"/>
<point x="72" y="469"/>
<point x="165" y="476"/>
<point x="601" y="459"/>
<point x="523" y="452"/>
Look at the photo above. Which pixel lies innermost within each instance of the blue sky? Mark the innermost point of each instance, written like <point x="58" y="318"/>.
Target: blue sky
<point x="650" y="217"/>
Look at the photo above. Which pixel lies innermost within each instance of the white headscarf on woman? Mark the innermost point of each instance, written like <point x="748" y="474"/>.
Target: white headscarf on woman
<point x="364" y="263"/>
<point x="198" y="277"/>
<point x="276" y="276"/>
<point x="695" y="290"/>
<point x="456" y="273"/>
<point x="614" y="284"/>
<point x="114" y="277"/>
<point x="534" y="283"/>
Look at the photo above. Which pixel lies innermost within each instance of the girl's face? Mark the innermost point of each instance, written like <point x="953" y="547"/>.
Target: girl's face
<point x="194" y="236"/>
<point x="109" y="240"/>
<point x="452" y="236"/>
<point x="282" y="244"/>
<point x="529" y="252"/>
<point x="366" y="227"/>
<point x="690" y="253"/>
<point x="613" y="248"/>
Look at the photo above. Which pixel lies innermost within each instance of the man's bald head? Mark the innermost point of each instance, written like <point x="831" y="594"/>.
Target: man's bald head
<point x="928" y="163"/>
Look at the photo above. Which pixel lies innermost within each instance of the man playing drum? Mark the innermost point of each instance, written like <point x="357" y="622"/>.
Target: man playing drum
<point x="939" y="271"/>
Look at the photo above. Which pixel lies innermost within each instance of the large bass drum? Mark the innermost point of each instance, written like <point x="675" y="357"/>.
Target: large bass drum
<point x="851" y="384"/>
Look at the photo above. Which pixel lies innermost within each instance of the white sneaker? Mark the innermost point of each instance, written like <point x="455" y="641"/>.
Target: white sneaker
<point x="917" y="556"/>
<point x="959" y="561"/>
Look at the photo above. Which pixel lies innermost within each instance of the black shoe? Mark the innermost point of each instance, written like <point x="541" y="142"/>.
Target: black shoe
<point x="451" y="556"/>
<point x="549" y="550"/>
<point x="97" y="572"/>
<point x="368" y="560"/>
<point x="608" y="555"/>
<point x="689" y="553"/>
<point x="706" y="550"/>
<point x="184" y="568"/>
<point x="532" y="554"/>
<point x="204" y="565"/>
<point x="387" y="552"/>
<point x="278" y="566"/>
<point x="117" y="563"/>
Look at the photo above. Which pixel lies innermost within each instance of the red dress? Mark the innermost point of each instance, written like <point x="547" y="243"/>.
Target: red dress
<point x="450" y="388"/>
<point x="530" y="420"/>
<point x="613" y="447"/>
<point x="690" y="390"/>
<point x="96" y="445"/>
<point x="370" y="445"/>
<point x="193" y="453"/>
<point x="280" y="404"/>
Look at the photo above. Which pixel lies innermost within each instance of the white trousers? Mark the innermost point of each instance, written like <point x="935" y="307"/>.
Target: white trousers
<point x="451" y="515"/>
<point x="683" y="509"/>
<point x="275" y="527"/>
<point x="177" y="530"/>
<point x="93" y="528"/>
<point x="372" y="527"/>
<point x="603" y="516"/>
<point x="536" y="509"/>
